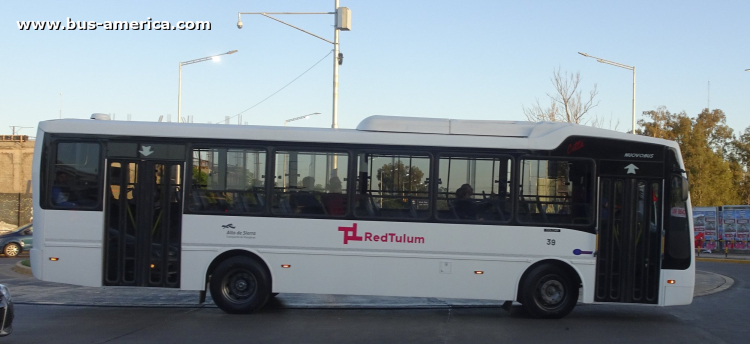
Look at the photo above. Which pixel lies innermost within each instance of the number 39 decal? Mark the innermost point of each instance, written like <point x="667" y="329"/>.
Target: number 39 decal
<point x="551" y="242"/>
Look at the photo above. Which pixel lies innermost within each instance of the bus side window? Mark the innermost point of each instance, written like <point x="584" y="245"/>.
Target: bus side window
<point x="310" y="184"/>
<point x="393" y="186"/>
<point x="474" y="189"/>
<point x="76" y="178"/>
<point x="677" y="240"/>
<point x="228" y="180"/>
<point x="556" y="192"/>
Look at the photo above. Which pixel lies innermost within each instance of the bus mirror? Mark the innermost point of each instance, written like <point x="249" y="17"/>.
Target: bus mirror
<point x="685" y="189"/>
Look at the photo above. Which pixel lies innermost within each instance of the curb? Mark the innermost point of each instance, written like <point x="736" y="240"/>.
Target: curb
<point x="22" y="269"/>
<point x="723" y="260"/>
<point x="728" y="282"/>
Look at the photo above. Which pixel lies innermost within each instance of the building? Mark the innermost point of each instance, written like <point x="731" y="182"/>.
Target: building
<point x="16" y="155"/>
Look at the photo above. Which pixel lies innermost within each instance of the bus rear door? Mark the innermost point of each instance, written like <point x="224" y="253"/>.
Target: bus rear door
<point x="629" y="231"/>
<point x="143" y="215"/>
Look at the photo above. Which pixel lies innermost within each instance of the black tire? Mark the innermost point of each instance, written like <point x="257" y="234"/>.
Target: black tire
<point x="12" y="250"/>
<point x="549" y="292"/>
<point x="240" y="285"/>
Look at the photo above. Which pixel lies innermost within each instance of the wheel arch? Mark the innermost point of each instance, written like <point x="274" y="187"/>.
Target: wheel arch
<point x="234" y="253"/>
<point x="570" y="269"/>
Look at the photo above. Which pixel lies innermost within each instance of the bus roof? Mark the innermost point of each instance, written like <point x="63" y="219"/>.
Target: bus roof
<point x="382" y="130"/>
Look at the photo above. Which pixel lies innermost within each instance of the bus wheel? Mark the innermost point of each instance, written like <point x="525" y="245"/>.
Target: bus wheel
<point x="240" y="285"/>
<point x="12" y="250"/>
<point x="549" y="292"/>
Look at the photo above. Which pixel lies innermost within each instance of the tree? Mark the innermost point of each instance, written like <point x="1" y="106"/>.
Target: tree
<point x="704" y="143"/>
<point x="398" y="177"/>
<point x="740" y="159"/>
<point x="567" y="104"/>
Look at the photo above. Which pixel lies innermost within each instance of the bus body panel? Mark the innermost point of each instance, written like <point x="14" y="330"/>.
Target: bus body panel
<point x="75" y="239"/>
<point x="441" y="262"/>
<point x="36" y="169"/>
<point x="198" y="258"/>
<point x="681" y="292"/>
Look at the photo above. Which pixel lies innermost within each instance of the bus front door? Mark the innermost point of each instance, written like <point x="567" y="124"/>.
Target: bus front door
<point x="143" y="223"/>
<point x="629" y="240"/>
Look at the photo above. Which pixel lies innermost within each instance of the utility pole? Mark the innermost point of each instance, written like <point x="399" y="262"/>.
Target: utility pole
<point x="19" y="128"/>
<point x="342" y="21"/>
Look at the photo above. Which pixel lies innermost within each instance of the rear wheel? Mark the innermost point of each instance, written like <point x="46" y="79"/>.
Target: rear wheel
<point x="549" y="292"/>
<point x="240" y="285"/>
<point x="12" y="250"/>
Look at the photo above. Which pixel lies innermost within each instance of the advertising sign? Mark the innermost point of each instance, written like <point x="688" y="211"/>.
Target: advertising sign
<point x="705" y="222"/>
<point x="736" y="221"/>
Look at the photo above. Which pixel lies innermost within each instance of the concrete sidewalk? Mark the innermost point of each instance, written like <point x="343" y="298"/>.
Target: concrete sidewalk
<point x="28" y="290"/>
<point x="717" y="256"/>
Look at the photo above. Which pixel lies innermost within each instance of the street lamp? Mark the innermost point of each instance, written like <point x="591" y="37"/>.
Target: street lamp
<point x="621" y="66"/>
<point x="300" y="117"/>
<point x="293" y="154"/>
<point x="215" y="58"/>
<point x="342" y="21"/>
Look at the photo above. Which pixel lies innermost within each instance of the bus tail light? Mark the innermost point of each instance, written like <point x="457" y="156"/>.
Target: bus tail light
<point x="670" y="281"/>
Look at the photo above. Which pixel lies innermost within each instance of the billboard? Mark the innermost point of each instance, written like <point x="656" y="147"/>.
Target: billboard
<point x="736" y="225"/>
<point x="706" y="226"/>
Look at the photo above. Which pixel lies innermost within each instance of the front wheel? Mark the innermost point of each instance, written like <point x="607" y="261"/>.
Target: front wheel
<point x="12" y="250"/>
<point x="549" y="292"/>
<point x="240" y="285"/>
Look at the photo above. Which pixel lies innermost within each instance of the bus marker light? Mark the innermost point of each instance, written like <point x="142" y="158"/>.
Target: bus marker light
<point x="286" y="266"/>
<point x="670" y="281"/>
<point x="152" y="266"/>
<point x="479" y="272"/>
<point x="54" y="259"/>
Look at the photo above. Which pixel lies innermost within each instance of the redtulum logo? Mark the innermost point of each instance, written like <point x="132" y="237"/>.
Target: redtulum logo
<point x="350" y="234"/>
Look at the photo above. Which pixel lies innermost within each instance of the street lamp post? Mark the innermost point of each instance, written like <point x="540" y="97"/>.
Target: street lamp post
<point x="290" y="153"/>
<point x="342" y="21"/>
<point x="621" y="66"/>
<point x="214" y="58"/>
<point x="300" y="117"/>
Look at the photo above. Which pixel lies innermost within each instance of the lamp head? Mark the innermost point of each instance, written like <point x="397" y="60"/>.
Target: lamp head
<point x="239" y="24"/>
<point x="584" y="54"/>
<point x="216" y="58"/>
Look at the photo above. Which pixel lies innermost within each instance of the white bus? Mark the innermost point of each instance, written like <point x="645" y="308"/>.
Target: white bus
<point x="545" y="214"/>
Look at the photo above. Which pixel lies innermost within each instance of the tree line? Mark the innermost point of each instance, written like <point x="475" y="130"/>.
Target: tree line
<point x="716" y="160"/>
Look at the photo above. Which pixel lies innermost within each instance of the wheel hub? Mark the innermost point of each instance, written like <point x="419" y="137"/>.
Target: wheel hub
<point x="552" y="292"/>
<point x="239" y="286"/>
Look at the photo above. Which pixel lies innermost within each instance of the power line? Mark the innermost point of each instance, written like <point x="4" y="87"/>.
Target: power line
<point x="281" y="89"/>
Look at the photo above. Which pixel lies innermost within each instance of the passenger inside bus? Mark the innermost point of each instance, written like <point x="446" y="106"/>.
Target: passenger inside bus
<point x="304" y="201"/>
<point x="61" y="191"/>
<point x="464" y="205"/>
<point x="334" y="201"/>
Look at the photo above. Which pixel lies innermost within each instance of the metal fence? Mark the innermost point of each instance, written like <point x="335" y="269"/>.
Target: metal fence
<point x="15" y="208"/>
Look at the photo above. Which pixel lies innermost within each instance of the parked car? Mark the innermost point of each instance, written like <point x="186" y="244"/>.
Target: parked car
<point x="6" y="312"/>
<point x="16" y="241"/>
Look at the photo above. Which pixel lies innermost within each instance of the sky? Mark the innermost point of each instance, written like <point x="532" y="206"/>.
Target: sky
<point x="447" y="59"/>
